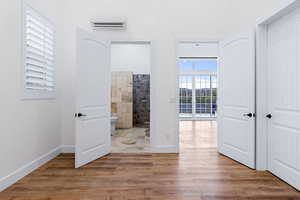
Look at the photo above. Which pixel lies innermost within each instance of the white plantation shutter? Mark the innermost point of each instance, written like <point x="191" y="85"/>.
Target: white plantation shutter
<point x="38" y="53"/>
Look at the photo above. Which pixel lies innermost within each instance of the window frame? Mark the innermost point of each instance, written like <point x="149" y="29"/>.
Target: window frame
<point x="186" y="96"/>
<point x="196" y="73"/>
<point x="35" y="94"/>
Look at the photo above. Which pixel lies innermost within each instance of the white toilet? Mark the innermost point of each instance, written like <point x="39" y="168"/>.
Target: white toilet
<point x="113" y="122"/>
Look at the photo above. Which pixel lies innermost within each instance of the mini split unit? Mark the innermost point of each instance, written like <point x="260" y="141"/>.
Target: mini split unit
<point x="108" y="24"/>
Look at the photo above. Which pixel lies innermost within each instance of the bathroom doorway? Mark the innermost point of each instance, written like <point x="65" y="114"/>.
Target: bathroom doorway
<point x="130" y="96"/>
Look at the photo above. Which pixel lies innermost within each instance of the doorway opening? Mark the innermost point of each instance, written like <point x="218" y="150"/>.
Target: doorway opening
<point x="198" y="88"/>
<point x="197" y="94"/>
<point x="130" y="96"/>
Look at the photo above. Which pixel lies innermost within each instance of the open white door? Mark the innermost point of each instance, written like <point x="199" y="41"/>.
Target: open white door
<point x="236" y="118"/>
<point x="93" y="99"/>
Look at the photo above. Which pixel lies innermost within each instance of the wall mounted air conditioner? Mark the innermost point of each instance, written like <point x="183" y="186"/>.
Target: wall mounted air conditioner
<point x="108" y="23"/>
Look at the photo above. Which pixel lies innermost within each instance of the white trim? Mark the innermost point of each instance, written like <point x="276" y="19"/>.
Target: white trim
<point x="261" y="79"/>
<point x="177" y="98"/>
<point x="153" y="125"/>
<point x="287" y="8"/>
<point x="15" y="176"/>
<point x="261" y="98"/>
<point x="68" y="149"/>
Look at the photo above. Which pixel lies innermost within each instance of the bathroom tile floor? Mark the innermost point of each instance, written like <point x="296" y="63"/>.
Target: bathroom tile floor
<point x="132" y="140"/>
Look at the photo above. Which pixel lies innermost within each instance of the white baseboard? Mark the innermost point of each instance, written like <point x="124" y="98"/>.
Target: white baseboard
<point x="165" y="149"/>
<point x="67" y="149"/>
<point x="12" y="178"/>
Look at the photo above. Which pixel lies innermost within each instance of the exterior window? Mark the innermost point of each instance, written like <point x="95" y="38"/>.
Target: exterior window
<point x="206" y="96"/>
<point x="186" y="95"/>
<point x="205" y="65"/>
<point x="186" y="65"/>
<point x="198" y="88"/>
<point x="39" y="80"/>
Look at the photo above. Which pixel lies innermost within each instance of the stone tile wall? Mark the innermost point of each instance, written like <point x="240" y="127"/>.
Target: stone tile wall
<point x="121" y="98"/>
<point x="141" y="100"/>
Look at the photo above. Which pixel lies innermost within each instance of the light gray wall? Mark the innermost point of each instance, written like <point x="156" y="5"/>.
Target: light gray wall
<point x="29" y="129"/>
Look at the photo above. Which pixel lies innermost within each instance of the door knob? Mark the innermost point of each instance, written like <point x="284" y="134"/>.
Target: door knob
<point x="81" y="115"/>
<point x="269" y="116"/>
<point x="248" y="115"/>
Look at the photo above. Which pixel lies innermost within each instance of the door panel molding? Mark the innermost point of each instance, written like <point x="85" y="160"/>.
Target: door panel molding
<point x="92" y="138"/>
<point x="236" y="130"/>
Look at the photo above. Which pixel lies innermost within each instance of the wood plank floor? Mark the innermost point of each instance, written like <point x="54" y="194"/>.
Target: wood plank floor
<point x="197" y="173"/>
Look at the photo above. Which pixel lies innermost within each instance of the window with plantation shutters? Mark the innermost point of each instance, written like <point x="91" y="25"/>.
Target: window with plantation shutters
<point x="38" y="55"/>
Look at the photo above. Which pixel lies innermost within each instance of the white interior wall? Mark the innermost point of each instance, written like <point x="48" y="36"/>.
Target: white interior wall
<point x="164" y="23"/>
<point x="133" y="57"/>
<point x="29" y="128"/>
<point x="198" y="49"/>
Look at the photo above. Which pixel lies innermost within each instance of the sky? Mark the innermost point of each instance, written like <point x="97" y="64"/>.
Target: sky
<point x="198" y="65"/>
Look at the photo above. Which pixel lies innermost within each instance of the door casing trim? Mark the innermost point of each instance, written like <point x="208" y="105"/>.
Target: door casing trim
<point x="177" y="74"/>
<point x="261" y="81"/>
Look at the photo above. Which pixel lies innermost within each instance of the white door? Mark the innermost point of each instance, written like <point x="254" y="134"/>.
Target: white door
<point x="236" y="118"/>
<point x="284" y="98"/>
<point x="93" y="99"/>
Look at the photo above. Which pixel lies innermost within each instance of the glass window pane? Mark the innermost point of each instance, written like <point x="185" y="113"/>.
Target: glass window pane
<point x="185" y="92"/>
<point x="205" y="88"/>
<point x="186" y="65"/>
<point x="206" y="65"/>
<point x="205" y="95"/>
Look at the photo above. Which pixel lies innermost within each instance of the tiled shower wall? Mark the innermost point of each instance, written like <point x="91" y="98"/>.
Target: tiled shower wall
<point x="121" y="98"/>
<point x="141" y="99"/>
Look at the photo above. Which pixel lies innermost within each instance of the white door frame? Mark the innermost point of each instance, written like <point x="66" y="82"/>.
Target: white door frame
<point x="153" y="136"/>
<point x="261" y="81"/>
<point x="177" y="74"/>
